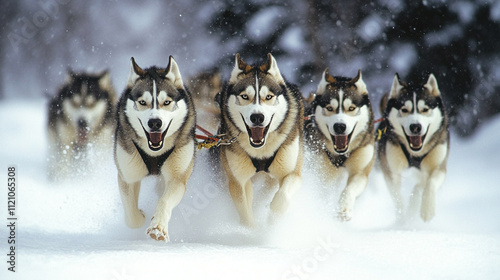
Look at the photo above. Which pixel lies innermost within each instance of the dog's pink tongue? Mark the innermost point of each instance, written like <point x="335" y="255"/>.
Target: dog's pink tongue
<point x="341" y="142"/>
<point x="155" y="137"/>
<point x="257" y="134"/>
<point x="415" y="142"/>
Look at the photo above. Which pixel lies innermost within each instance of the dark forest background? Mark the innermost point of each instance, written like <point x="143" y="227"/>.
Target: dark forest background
<point x="457" y="41"/>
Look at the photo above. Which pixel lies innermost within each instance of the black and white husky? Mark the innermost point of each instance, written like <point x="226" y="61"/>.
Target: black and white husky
<point x="414" y="134"/>
<point x="154" y="136"/>
<point x="264" y="114"/>
<point x="339" y="133"/>
<point x="80" y="116"/>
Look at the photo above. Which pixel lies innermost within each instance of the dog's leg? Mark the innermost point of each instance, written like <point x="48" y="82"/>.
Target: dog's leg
<point x="288" y="187"/>
<point x="394" y="185"/>
<point x="134" y="217"/>
<point x="428" y="207"/>
<point x="393" y="166"/>
<point x="249" y="196"/>
<point x="357" y="181"/>
<point x="243" y="200"/>
<point x="356" y="184"/>
<point x="172" y="195"/>
<point x="415" y="199"/>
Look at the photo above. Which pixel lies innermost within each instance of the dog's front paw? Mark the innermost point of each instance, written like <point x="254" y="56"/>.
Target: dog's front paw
<point x="158" y="232"/>
<point x="427" y="214"/>
<point x="135" y="219"/>
<point x="344" y="215"/>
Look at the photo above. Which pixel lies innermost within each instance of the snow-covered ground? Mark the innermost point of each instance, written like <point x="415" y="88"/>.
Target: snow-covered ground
<point x="76" y="229"/>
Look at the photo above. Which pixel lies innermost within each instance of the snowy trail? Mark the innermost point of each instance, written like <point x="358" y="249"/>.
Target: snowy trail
<point x="75" y="229"/>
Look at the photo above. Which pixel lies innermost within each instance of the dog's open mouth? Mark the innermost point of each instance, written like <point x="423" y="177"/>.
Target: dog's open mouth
<point x="416" y="142"/>
<point x="83" y="134"/>
<point x="257" y="134"/>
<point x="341" y="142"/>
<point x="83" y="131"/>
<point x="156" y="138"/>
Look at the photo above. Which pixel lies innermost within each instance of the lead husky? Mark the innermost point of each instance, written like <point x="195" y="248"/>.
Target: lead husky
<point x="265" y="115"/>
<point x="80" y="115"/>
<point x="340" y="134"/>
<point x="154" y="136"/>
<point x="414" y="133"/>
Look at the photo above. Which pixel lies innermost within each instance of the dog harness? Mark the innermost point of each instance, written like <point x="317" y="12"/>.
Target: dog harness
<point x="263" y="164"/>
<point x="337" y="161"/>
<point x="153" y="164"/>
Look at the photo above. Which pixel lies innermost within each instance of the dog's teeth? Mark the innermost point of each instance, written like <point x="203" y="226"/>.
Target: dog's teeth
<point x="150" y="143"/>
<point x="159" y="144"/>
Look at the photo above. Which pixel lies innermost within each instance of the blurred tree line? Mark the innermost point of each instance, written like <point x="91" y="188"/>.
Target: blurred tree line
<point x="455" y="40"/>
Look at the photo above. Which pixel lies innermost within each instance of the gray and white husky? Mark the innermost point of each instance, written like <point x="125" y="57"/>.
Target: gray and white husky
<point x="80" y="116"/>
<point x="339" y="133"/>
<point x="154" y="136"/>
<point x="264" y="114"/>
<point x="414" y="134"/>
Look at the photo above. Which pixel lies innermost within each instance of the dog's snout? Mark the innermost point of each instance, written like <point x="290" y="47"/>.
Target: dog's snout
<point x="416" y="128"/>
<point x="257" y="119"/>
<point x="154" y="124"/>
<point x="82" y="123"/>
<point x="339" y="128"/>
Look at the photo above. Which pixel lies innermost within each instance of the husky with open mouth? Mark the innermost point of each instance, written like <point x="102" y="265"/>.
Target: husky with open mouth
<point x="154" y="136"/>
<point x="339" y="132"/>
<point x="414" y="134"/>
<point x="264" y="114"/>
<point x="80" y="117"/>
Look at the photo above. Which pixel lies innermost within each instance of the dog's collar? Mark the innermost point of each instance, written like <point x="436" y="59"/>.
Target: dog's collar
<point x="153" y="163"/>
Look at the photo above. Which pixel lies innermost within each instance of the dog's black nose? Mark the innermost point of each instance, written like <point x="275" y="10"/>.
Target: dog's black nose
<point x="82" y="123"/>
<point x="339" y="128"/>
<point x="154" y="124"/>
<point x="415" y="128"/>
<point x="257" y="119"/>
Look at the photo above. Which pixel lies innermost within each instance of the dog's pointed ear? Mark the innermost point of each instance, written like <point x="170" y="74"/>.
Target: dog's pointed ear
<point x="359" y="83"/>
<point x="173" y="73"/>
<point x="432" y="86"/>
<point x="239" y="67"/>
<point x="326" y="79"/>
<point x="135" y="73"/>
<point x="105" y="80"/>
<point x="271" y="67"/>
<point x="70" y="75"/>
<point x="396" y="87"/>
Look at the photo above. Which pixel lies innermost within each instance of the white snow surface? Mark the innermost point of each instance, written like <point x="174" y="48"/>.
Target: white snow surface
<point x="76" y="230"/>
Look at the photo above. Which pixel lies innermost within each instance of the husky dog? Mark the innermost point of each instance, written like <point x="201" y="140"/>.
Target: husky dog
<point x="80" y="115"/>
<point x="154" y="136"/>
<point x="339" y="132"/>
<point x="414" y="133"/>
<point x="264" y="114"/>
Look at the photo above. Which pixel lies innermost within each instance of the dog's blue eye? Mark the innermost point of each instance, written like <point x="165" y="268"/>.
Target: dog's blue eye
<point x="244" y="96"/>
<point x="352" y="108"/>
<point x="425" y="110"/>
<point x="329" y="108"/>
<point x="142" y="102"/>
<point x="404" y="110"/>
<point x="269" y="97"/>
<point x="167" y="102"/>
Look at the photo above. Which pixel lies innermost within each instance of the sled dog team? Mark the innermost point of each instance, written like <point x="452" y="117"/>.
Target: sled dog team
<point x="264" y="126"/>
